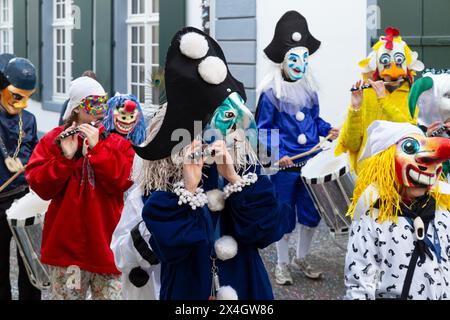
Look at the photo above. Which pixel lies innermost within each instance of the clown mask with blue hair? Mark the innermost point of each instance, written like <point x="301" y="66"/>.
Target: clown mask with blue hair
<point x="124" y="116"/>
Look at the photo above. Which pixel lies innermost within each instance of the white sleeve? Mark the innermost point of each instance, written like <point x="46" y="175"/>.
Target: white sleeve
<point x="125" y="255"/>
<point x="361" y="267"/>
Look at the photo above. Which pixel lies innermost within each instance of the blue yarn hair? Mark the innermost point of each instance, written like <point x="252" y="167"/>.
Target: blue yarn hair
<point x="137" y="135"/>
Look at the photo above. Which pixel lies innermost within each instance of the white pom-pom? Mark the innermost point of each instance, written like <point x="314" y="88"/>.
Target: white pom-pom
<point x="194" y="45"/>
<point x="216" y="200"/>
<point x="213" y="70"/>
<point x="296" y="36"/>
<point x="226" y="293"/>
<point x="300" y="116"/>
<point x="226" y="248"/>
<point x="302" y="139"/>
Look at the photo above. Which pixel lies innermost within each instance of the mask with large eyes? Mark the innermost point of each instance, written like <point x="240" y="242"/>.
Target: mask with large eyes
<point x="14" y="100"/>
<point x="232" y="117"/>
<point x="126" y="117"/>
<point x="418" y="160"/>
<point x="295" y="64"/>
<point x="391" y="64"/>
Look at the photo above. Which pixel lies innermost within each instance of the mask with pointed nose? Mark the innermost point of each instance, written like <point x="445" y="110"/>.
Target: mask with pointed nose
<point x="418" y="160"/>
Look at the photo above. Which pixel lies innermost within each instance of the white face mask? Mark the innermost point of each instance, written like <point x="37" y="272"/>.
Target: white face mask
<point x="295" y="63"/>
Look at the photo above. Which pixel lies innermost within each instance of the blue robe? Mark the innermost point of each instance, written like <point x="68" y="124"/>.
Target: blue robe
<point x="9" y="132"/>
<point x="183" y="239"/>
<point x="293" y="121"/>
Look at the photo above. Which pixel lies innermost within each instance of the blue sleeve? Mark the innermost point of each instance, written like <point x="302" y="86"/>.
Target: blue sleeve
<point x="323" y="127"/>
<point x="258" y="218"/>
<point x="176" y="230"/>
<point x="265" y="119"/>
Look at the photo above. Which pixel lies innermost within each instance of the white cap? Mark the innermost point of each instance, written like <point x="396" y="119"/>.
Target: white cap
<point x="80" y="89"/>
<point x="383" y="134"/>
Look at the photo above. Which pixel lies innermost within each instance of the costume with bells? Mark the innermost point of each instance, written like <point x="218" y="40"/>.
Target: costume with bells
<point x="87" y="196"/>
<point x="399" y="246"/>
<point x="207" y="245"/>
<point x="18" y="138"/>
<point x="289" y="103"/>
<point x="390" y="60"/>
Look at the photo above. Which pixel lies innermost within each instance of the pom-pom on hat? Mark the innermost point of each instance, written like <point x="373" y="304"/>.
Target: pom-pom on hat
<point x="197" y="81"/>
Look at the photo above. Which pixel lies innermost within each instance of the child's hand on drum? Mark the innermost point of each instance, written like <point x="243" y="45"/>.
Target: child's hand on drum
<point x="285" y="162"/>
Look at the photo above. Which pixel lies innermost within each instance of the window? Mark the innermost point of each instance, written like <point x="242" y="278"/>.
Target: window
<point x="6" y="26"/>
<point x="143" y="46"/>
<point x="62" y="33"/>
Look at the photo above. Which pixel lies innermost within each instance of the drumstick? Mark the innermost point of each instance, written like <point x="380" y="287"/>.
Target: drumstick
<point x="10" y="180"/>
<point x="315" y="148"/>
<point x="312" y="150"/>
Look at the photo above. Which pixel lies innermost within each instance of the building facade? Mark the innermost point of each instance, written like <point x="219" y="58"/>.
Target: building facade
<point x="125" y="41"/>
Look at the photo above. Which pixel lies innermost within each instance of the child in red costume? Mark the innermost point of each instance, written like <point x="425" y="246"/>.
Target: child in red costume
<point x="85" y="177"/>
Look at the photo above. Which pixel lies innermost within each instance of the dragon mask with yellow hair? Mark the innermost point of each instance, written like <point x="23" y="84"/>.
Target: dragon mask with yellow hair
<point x="401" y="156"/>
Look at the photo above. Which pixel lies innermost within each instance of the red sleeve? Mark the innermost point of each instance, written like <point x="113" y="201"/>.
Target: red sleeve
<point x="48" y="170"/>
<point x="112" y="161"/>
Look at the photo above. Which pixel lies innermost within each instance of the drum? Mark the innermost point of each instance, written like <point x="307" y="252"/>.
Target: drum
<point x="26" y="220"/>
<point x="330" y="184"/>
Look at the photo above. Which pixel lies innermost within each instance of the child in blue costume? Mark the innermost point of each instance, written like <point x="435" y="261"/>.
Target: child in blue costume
<point x="289" y="103"/>
<point x="207" y="238"/>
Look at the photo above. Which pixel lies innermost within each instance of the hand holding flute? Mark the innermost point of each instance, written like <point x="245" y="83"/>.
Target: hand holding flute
<point x="68" y="140"/>
<point x="357" y="92"/>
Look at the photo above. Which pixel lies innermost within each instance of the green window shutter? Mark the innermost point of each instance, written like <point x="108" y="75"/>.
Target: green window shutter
<point x="436" y="33"/>
<point x="172" y="17"/>
<point x="20" y="27"/>
<point x="82" y="38"/>
<point x="103" y="43"/>
<point x="424" y="25"/>
<point x="34" y="39"/>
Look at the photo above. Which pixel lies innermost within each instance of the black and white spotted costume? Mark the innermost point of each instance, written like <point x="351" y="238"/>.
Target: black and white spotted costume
<point x="379" y="254"/>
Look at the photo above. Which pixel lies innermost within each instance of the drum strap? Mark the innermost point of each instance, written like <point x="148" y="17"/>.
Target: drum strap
<point x="142" y="247"/>
<point x="10" y="194"/>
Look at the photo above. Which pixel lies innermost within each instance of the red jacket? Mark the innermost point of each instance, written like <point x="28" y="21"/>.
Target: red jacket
<point x="82" y="215"/>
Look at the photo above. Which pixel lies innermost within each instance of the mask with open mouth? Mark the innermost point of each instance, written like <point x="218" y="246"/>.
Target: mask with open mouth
<point x="418" y="160"/>
<point x="126" y="117"/>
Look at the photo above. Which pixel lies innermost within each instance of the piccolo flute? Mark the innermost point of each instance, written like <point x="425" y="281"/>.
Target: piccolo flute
<point x="367" y="86"/>
<point x="206" y="152"/>
<point x="73" y="132"/>
<point x="438" y="132"/>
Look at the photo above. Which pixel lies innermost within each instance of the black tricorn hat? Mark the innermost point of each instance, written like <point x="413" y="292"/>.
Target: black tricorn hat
<point x="197" y="82"/>
<point x="291" y="31"/>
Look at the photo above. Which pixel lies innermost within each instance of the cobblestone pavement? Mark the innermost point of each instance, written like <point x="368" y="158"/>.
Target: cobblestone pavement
<point x="325" y="254"/>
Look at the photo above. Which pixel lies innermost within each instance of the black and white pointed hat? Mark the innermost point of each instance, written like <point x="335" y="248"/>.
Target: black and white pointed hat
<point x="197" y="82"/>
<point x="291" y="31"/>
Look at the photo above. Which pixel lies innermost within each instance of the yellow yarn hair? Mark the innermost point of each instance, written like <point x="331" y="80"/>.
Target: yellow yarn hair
<point x="379" y="171"/>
